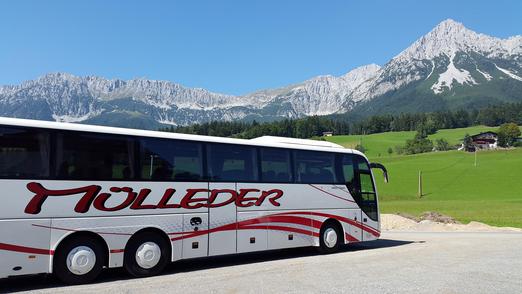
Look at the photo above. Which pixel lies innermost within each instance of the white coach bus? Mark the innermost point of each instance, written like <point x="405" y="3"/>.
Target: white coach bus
<point x="76" y="199"/>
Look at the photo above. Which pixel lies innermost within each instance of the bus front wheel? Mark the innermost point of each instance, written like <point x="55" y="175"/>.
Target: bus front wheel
<point x="79" y="260"/>
<point x="330" y="237"/>
<point x="146" y="254"/>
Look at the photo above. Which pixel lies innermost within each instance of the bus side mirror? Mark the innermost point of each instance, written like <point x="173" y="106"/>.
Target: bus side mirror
<point x="381" y="167"/>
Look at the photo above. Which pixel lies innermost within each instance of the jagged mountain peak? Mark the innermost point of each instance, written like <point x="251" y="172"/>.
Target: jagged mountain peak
<point x="451" y="36"/>
<point x="360" y="74"/>
<point x="449" y="25"/>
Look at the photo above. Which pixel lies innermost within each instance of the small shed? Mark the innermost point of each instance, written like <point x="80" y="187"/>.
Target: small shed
<point x="327" y="134"/>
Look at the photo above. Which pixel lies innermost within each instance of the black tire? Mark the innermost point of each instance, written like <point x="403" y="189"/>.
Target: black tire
<point x="130" y="263"/>
<point x="323" y="247"/>
<point x="60" y="268"/>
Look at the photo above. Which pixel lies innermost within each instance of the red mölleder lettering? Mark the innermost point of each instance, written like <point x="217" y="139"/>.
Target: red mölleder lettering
<point x="216" y="192"/>
<point x="188" y="200"/>
<point x="99" y="202"/>
<point x="243" y="201"/>
<point x="193" y="199"/>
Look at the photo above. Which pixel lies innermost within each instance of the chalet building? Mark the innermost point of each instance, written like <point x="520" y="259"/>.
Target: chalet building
<point x="486" y="140"/>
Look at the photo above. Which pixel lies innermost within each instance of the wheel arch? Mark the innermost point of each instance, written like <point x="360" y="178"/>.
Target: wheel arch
<point x="336" y="223"/>
<point x="154" y="230"/>
<point x="76" y="234"/>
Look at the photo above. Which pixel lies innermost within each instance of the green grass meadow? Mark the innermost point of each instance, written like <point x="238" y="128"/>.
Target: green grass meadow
<point x="490" y="192"/>
<point x="377" y="145"/>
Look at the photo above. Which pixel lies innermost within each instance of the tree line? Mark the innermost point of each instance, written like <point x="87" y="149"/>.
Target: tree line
<point x="424" y="123"/>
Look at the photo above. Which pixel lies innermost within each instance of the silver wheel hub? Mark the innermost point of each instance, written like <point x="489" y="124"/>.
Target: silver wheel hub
<point x="81" y="260"/>
<point x="148" y="255"/>
<point x="330" y="238"/>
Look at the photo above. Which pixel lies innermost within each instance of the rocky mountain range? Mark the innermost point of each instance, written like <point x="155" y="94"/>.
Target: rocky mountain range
<point x="449" y="67"/>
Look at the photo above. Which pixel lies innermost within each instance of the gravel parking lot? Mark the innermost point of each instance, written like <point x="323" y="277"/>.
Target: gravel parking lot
<point x="400" y="262"/>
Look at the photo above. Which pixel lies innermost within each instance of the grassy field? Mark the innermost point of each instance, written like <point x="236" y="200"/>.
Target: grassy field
<point x="490" y="192"/>
<point x="377" y="145"/>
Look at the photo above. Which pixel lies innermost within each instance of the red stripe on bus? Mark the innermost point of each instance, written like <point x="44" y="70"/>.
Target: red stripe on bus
<point x="74" y="230"/>
<point x="24" y="249"/>
<point x="351" y="238"/>
<point x="257" y="224"/>
<point x="264" y="219"/>
<point x="117" y="250"/>
<point x="281" y="228"/>
<point x="340" y="218"/>
<point x="360" y="225"/>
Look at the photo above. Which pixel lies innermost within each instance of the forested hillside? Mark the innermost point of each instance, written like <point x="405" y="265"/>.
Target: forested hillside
<point x="351" y="125"/>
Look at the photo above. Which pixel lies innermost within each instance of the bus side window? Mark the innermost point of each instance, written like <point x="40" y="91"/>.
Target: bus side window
<point x="232" y="163"/>
<point x="92" y="156"/>
<point x="24" y="153"/>
<point x="167" y="160"/>
<point x="312" y="167"/>
<point x="275" y="165"/>
<point x="348" y="172"/>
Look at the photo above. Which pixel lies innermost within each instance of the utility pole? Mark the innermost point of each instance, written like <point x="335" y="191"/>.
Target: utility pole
<point x="419" y="193"/>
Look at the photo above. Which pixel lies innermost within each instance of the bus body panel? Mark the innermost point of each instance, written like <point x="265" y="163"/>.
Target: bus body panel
<point x="290" y="228"/>
<point x="24" y="246"/>
<point x="369" y="235"/>
<point x="275" y="227"/>
<point x="252" y="233"/>
<point x="356" y="233"/>
<point x="195" y="238"/>
<point x="222" y="221"/>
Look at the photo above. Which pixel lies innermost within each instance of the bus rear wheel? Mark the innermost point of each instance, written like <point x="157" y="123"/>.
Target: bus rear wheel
<point x="79" y="260"/>
<point x="330" y="238"/>
<point x="146" y="254"/>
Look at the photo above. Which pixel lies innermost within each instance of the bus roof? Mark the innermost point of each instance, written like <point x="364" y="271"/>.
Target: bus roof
<point x="268" y="141"/>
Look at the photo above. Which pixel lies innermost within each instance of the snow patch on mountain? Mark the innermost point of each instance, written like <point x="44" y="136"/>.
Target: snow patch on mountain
<point x="507" y="72"/>
<point x="485" y="74"/>
<point x="451" y="74"/>
<point x="72" y="118"/>
<point x="432" y="68"/>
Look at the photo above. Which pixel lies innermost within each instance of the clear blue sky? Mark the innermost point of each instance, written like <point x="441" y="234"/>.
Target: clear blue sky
<point x="232" y="47"/>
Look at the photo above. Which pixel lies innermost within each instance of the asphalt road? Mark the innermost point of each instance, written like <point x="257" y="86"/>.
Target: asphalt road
<point x="398" y="263"/>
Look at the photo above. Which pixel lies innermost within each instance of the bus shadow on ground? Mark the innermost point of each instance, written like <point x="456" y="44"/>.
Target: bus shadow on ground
<point x="41" y="282"/>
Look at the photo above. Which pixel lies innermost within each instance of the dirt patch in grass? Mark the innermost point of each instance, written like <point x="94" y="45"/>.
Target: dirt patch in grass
<point x="431" y="216"/>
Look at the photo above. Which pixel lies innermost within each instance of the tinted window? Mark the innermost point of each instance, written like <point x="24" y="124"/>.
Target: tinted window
<point x="315" y="167"/>
<point x="164" y="160"/>
<point x="348" y="168"/>
<point x="24" y="153"/>
<point x="367" y="184"/>
<point x="362" y="165"/>
<point x="275" y="165"/>
<point x="231" y="163"/>
<point x="82" y="156"/>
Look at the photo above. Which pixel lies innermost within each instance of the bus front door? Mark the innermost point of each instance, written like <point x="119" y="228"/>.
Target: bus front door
<point x="355" y="233"/>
